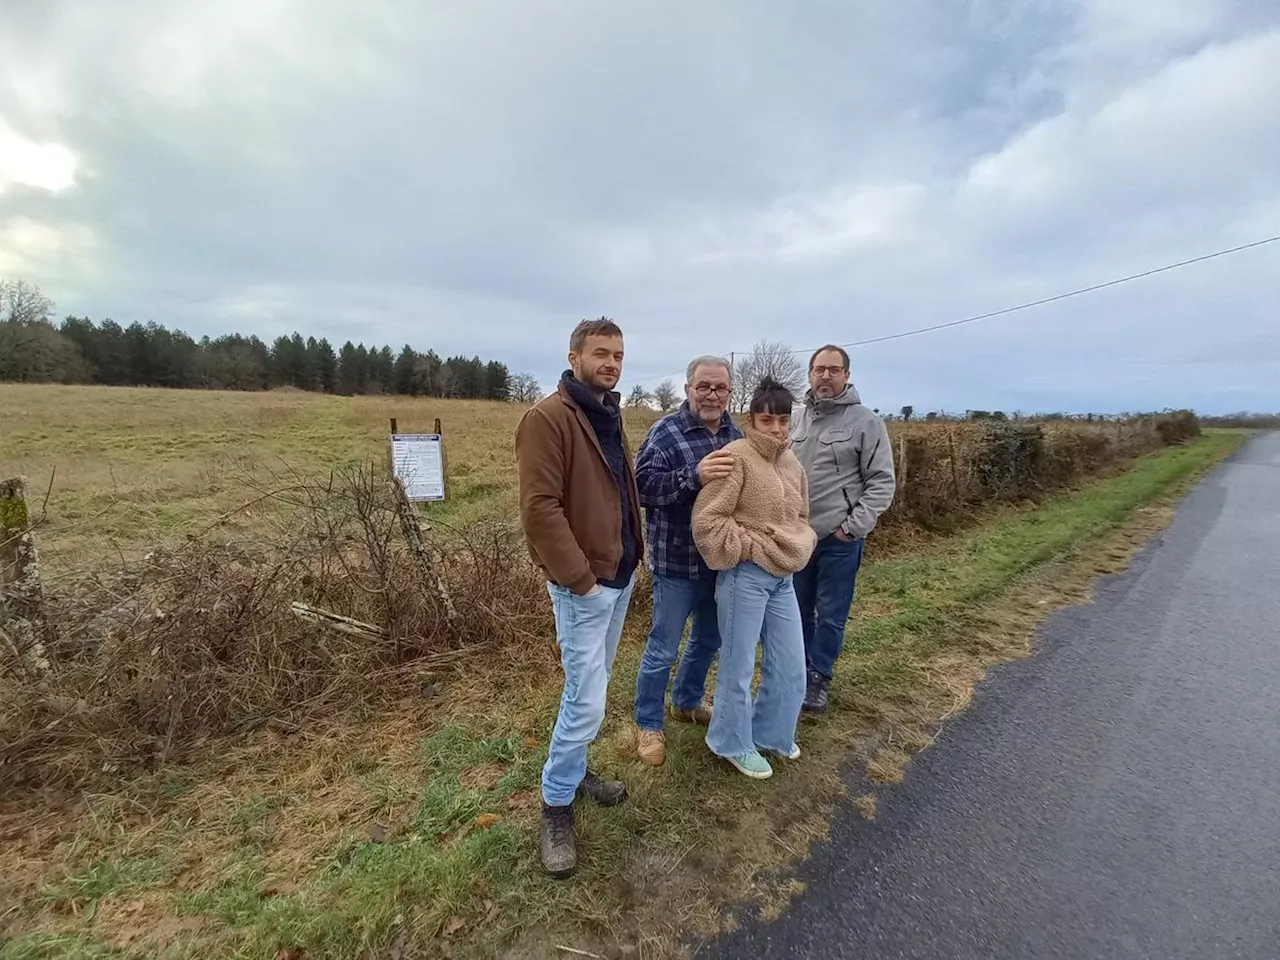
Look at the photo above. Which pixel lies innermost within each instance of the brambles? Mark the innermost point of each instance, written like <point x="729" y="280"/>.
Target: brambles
<point x="200" y="639"/>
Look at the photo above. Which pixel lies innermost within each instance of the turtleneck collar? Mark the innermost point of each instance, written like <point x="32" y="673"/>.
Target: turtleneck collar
<point x="765" y="445"/>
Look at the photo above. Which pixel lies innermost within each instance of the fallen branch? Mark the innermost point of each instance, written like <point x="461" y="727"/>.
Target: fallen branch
<point x="336" y="621"/>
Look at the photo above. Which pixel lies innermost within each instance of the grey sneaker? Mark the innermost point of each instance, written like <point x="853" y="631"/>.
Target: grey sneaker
<point x="815" y="694"/>
<point x="558" y="844"/>
<point x="607" y="793"/>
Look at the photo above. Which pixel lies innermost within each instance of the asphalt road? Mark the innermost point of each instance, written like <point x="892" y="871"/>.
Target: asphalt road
<point x="1115" y="795"/>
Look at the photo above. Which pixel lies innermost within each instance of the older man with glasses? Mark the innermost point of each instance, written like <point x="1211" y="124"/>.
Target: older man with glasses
<point x="682" y="452"/>
<point x="848" y="460"/>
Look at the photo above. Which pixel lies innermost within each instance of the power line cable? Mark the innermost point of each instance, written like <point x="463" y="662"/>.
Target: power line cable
<point x="1039" y="303"/>
<point x="1053" y="299"/>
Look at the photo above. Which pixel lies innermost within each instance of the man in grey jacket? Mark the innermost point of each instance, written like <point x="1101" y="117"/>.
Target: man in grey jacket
<point x="848" y="459"/>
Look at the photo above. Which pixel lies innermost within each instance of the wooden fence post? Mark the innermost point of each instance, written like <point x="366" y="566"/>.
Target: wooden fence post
<point x="22" y="614"/>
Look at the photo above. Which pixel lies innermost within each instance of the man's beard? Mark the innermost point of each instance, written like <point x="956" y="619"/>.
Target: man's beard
<point x="597" y="382"/>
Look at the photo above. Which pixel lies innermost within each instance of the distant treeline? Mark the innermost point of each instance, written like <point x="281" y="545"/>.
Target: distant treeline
<point x="150" y="355"/>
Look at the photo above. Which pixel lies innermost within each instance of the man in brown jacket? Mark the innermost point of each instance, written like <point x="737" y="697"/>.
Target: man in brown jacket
<point x="580" y="512"/>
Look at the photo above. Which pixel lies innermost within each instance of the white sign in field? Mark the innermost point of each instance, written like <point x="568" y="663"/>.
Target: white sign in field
<point x="417" y="461"/>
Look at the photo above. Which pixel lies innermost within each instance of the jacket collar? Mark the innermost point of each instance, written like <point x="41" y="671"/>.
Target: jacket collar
<point x="846" y="398"/>
<point x="765" y="445"/>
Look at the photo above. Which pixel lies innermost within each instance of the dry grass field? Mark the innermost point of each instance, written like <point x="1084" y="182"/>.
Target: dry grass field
<point x="132" y="467"/>
<point x="205" y="775"/>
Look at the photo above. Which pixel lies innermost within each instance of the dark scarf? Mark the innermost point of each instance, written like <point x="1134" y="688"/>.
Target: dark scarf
<point x="606" y="420"/>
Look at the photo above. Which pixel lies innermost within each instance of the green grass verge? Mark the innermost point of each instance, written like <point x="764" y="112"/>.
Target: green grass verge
<point x="461" y="875"/>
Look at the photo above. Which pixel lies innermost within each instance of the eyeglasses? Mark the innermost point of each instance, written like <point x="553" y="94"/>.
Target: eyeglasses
<point x="706" y="390"/>
<point x="827" y="371"/>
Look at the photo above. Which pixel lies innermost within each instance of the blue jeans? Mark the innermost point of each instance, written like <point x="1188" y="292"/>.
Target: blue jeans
<point x="755" y="606"/>
<point x="674" y="601"/>
<point x="588" y="630"/>
<point x="824" y="589"/>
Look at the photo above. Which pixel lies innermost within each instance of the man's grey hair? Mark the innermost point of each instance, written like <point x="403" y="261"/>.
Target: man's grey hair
<point x="707" y="361"/>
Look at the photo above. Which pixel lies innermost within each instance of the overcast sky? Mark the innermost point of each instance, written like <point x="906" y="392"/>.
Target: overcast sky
<point x="477" y="176"/>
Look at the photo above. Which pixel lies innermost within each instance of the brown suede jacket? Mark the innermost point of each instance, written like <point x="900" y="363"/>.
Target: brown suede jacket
<point x="570" y="507"/>
<point x="760" y="512"/>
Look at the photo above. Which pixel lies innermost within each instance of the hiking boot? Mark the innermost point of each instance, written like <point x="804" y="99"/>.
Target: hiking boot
<point x="651" y="745"/>
<point x="815" y="693"/>
<point x="701" y="714"/>
<point x="607" y="793"/>
<point x="752" y="765"/>
<point x="558" y="844"/>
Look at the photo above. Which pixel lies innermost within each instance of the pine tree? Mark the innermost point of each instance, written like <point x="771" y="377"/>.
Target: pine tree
<point x="300" y="369"/>
<point x="326" y="367"/>
<point x="112" y="353"/>
<point x="348" y="370"/>
<point x="404" y="375"/>
<point x="497" y="381"/>
<point x="313" y="364"/>
<point x="362" y="369"/>
<point x="382" y="375"/>
<point x="281" y="361"/>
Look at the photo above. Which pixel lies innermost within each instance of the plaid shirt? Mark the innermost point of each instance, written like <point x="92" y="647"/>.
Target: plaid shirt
<point x="667" y="477"/>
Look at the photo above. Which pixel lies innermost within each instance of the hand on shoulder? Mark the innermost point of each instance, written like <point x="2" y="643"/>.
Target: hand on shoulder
<point x="715" y="466"/>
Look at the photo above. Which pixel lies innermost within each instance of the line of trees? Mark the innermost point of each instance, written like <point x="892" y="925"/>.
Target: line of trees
<point x="33" y="350"/>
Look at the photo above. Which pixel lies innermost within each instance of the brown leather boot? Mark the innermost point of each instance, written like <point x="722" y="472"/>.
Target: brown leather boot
<point x="701" y="714"/>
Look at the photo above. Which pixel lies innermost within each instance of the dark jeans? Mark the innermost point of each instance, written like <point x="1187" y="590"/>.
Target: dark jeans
<point x="824" y="589"/>
<point x="674" y="601"/>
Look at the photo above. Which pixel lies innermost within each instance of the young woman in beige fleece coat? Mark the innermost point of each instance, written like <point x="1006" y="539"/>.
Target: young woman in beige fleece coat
<point x="753" y="527"/>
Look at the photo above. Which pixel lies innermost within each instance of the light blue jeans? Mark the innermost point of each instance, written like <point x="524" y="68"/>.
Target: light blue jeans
<point x="588" y="630"/>
<point x="754" y="607"/>
<point x="675" y="600"/>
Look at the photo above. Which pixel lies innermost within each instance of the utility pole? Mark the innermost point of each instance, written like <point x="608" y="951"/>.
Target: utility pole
<point x="734" y="387"/>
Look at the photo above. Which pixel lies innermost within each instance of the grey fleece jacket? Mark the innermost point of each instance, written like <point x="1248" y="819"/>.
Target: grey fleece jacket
<point x="848" y="460"/>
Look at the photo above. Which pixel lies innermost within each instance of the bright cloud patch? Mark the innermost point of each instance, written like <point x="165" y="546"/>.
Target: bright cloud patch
<point x="49" y="166"/>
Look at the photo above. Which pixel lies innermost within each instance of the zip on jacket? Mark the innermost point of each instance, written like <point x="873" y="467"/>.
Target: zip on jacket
<point x="848" y="459"/>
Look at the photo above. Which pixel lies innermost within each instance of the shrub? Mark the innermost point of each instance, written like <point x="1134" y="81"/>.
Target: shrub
<point x="1178" y="426"/>
<point x="1011" y="459"/>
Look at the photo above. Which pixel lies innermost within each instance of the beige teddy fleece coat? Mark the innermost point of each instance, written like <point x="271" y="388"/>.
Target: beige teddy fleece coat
<point x="760" y="512"/>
